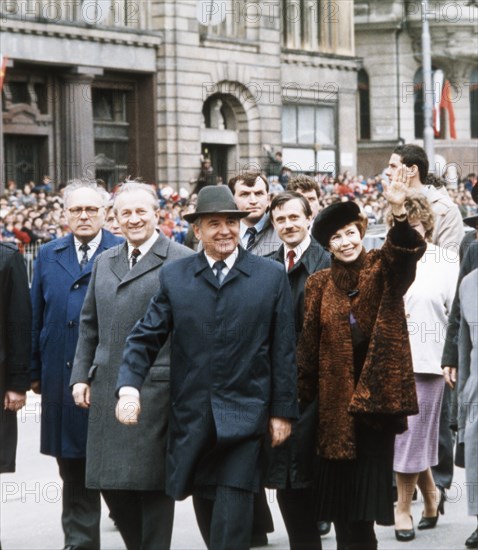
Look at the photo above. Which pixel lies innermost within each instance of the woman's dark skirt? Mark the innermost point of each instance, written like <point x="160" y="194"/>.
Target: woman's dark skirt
<point x="360" y="489"/>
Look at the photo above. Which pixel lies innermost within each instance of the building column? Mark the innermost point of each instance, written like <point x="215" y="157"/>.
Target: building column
<point x="78" y="151"/>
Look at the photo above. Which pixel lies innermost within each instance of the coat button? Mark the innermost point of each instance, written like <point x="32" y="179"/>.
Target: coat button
<point x="408" y="315"/>
<point x="70" y="324"/>
<point x="76" y="287"/>
<point x="68" y="365"/>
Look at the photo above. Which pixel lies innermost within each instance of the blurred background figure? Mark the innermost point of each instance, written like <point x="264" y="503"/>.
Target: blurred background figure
<point x="428" y="303"/>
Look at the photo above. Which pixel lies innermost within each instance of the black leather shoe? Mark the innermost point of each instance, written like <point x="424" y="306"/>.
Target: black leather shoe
<point x="324" y="527"/>
<point x="405" y="535"/>
<point x="427" y="523"/>
<point x="472" y="540"/>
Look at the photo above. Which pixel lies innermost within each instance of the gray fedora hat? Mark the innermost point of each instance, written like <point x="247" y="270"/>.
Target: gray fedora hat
<point x="215" y="199"/>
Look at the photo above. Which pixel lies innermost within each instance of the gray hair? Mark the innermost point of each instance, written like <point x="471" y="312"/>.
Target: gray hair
<point x="133" y="186"/>
<point x="85" y="183"/>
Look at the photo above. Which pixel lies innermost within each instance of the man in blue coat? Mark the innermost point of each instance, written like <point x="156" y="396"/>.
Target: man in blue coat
<point x="61" y="276"/>
<point x="233" y="373"/>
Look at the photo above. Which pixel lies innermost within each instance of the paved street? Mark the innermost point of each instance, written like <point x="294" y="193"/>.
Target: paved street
<point x="30" y="507"/>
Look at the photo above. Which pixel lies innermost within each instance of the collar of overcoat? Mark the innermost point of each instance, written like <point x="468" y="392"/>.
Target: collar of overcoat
<point x="154" y="258"/>
<point x="243" y="264"/>
<point x="67" y="257"/>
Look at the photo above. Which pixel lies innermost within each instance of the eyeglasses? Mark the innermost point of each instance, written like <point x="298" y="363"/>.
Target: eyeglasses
<point x="90" y="211"/>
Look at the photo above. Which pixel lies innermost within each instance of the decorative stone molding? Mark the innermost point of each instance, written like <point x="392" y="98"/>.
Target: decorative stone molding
<point x="91" y="34"/>
<point x="313" y="59"/>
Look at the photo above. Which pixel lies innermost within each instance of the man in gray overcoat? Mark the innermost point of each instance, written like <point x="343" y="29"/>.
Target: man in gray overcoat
<point x="467" y="389"/>
<point x="127" y="463"/>
<point x="233" y="375"/>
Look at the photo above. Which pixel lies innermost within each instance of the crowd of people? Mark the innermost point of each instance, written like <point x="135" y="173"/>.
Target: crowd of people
<point x="34" y="214"/>
<point x="281" y="354"/>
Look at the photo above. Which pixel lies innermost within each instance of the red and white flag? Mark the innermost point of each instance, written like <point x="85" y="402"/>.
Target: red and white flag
<point x="442" y="104"/>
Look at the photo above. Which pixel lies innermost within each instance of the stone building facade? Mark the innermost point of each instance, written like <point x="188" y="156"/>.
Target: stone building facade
<point x="113" y="88"/>
<point x="390" y="81"/>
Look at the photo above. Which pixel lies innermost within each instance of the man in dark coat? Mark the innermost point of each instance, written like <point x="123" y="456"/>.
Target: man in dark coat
<point x="15" y="337"/>
<point x="232" y="369"/>
<point x="290" y="466"/>
<point x="117" y="296"/>
<point x="61" y="276"/>
<point x="257" y="236"/>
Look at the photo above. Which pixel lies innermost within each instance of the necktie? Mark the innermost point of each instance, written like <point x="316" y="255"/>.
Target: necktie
<point x="290" y="259"/>
<point x="219" y="266"/>
<point x="252" y="232"/>
<point x="84" y="260"/>
<point x="135" y="254"/>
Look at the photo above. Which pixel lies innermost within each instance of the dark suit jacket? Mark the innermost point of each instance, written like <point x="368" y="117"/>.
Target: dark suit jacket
<point x="58" y="290"/>
<point x="267" y="241"/>
<point x="118" y="456"/>
<point x="293" y="461"/>
<point x="15" y="349"/>
<point x="232" y="366"/>
<point x="314" y="259"/>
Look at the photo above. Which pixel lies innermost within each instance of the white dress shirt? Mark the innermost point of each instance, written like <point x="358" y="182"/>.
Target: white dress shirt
<point x="143" y="248"/>
<point x="243" y="230"/>
<point x="229" y="261"/>
<point x="93" y="244"/>
<point x="299" y="250"/>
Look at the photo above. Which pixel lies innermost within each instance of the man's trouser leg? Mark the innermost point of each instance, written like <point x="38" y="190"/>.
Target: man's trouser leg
<point x="443" y="471"/>
<point x="231" y="523"/>
<point x="81" y="507"/>
<point x="297" y="511"/>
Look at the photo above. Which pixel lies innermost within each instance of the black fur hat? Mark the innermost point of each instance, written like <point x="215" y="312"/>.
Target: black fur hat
<point x="333" y="218"/>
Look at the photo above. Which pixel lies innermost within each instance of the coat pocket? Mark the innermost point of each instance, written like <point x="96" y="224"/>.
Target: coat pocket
<point x="91" y="373"/>
<point x="159" y="374"/>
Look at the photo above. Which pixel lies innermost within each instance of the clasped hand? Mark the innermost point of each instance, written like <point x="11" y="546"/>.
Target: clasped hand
<point x="128" y="409"/>
<point x="14" y="401"/>
<point x="279" y="429"/>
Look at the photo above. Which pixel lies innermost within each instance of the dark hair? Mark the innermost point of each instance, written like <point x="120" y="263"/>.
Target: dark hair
<point x="303" y="183"/>
<point x="281" y="198"/>
<point x="411" y="154"/>
<point x="247" y="178"/>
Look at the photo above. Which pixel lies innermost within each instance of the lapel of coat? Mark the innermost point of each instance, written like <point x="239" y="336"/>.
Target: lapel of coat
<point x="278" y="255"/>
<point x="202" y="269"/>
<point x="153" y="259"/>
<point x="119" y="262"/>
<point x="243" y="264"/>
<point x="313" y="257"/>
<point x="67" y="256"/>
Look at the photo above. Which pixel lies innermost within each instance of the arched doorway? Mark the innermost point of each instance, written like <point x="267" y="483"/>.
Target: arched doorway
<point x="230" y="129"/>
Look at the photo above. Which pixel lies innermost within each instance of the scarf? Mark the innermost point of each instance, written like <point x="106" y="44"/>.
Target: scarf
<point x="346" y="275"/>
